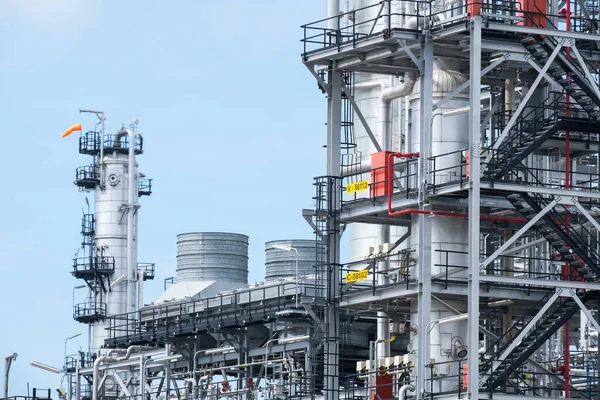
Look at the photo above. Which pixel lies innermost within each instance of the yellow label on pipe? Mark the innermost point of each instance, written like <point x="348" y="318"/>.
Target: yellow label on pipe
<point x="354" y="276"/>
<point x="357" y="186"/>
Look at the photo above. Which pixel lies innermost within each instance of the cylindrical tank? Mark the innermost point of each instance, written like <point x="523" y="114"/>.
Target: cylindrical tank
<point x="213" y="256"/>
<point x="281" y="263"/>
<point x="111" y="237"/>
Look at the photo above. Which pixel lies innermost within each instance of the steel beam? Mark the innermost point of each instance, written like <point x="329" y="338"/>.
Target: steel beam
<point x="522" y="247"/>
<point x="425" y="261"/>
<point x="121" y="383"/>
<point x="586" y="214"/>
<point x="333" y="163"/>
<point x="588" y="314"/>
<point x="532" y="30"/>
<point x="546" y="76"/>
<point x="520" y="232"/>
<point x="524" y="282"/>
<point x="326" y="87"/>
<point x="474" y="204"/>
<point x="410" y="54"/>
<point x="586" y="70"/>
<point x="488" y="117"/>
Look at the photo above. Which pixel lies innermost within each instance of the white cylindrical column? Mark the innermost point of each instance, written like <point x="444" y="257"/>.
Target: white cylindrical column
<point x="111" y="238"/>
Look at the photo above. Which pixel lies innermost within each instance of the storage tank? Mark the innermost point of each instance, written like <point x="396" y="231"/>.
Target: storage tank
<point x="281" y="263"/>
<point x="213" y="256"/>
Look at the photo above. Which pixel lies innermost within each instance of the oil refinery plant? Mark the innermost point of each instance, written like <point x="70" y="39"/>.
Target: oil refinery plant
<point x="461" y="173"/>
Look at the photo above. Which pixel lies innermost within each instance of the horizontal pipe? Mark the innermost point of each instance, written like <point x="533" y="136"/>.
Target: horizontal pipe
<point x="390" y="190"/>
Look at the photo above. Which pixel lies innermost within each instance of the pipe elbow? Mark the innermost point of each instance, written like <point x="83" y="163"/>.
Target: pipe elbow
<point x="130" y="349"/>
<point x="402" y="90"/>
<point x="403" y="390"/>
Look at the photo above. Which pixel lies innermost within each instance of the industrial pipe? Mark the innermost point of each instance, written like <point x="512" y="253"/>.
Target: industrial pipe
<point x="8" y="363"/>
<point x="141" y="274"/>
<point x="97" y="363"/>
<point x="108" y="357"/>
<point x="131" y="191"/>
<point x="390" y="189"/>
<point x="403" y="390"/>
<point x="333" y="13"/>
<point x="130" y="349"/>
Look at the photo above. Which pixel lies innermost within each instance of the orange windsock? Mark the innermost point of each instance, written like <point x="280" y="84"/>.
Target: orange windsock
<point x="76" y="127"/>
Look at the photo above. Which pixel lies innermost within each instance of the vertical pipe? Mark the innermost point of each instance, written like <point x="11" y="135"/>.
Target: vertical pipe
<point x="142" y="388"/>
<point x="346" y="13"/>
<point x="167" y="371"/>
<point x="101" y="161"/>
<point x="97" y="363"/>
<point x="7" y="363"/>
<point x="385" y="138"/>
<point x="407" y="134"/>
<point x="131" y="189"/>
<point x="333" y="10"/>
<point x="508" y="99"/>
<point x="77" y="380"/>
<point x="141" y="275"/>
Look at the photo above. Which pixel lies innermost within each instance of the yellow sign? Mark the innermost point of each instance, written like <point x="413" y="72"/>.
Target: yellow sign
<point x="354" y="276"/>
<point x="357" y="186"/>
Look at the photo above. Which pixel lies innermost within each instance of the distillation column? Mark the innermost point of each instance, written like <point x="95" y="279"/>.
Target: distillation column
<point x="112" y="219"/>
<point x="109" y="265"/>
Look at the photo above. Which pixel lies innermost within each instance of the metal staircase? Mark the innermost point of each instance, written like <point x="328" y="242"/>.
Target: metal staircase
<point x="528" y="133"/>
<point x="566" y="72"/>
<point x="563" y="230"/>
<point x="531" y="130"/>
<point x="571" y="238"/>
<point x="545" y="327"/>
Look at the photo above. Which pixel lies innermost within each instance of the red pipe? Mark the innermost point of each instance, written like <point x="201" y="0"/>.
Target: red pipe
<point x="390" y="190"/>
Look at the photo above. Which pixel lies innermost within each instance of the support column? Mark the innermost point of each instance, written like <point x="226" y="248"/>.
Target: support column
<point x="334" y="102"/>
<point x="474" y="211"/>
<point x="424" y="296"/>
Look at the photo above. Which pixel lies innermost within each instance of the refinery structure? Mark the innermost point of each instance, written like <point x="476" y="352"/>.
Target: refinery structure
<point x="462" y="145"/>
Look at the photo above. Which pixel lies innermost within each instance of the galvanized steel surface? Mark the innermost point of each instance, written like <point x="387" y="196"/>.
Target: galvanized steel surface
<point x="282" y="263"/>
<point x="212" y="256"/>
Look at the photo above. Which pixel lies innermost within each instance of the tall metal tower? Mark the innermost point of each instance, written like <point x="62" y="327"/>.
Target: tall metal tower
<point x="481" y="122"/>
<point x="107" y="260"/>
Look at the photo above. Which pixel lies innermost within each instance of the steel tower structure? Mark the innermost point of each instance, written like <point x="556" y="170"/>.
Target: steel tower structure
<point x="107" y="260"/>
<point x="525" y="182"/>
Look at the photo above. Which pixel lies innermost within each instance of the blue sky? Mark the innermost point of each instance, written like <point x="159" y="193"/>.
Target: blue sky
<point x="233" y="126"/>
